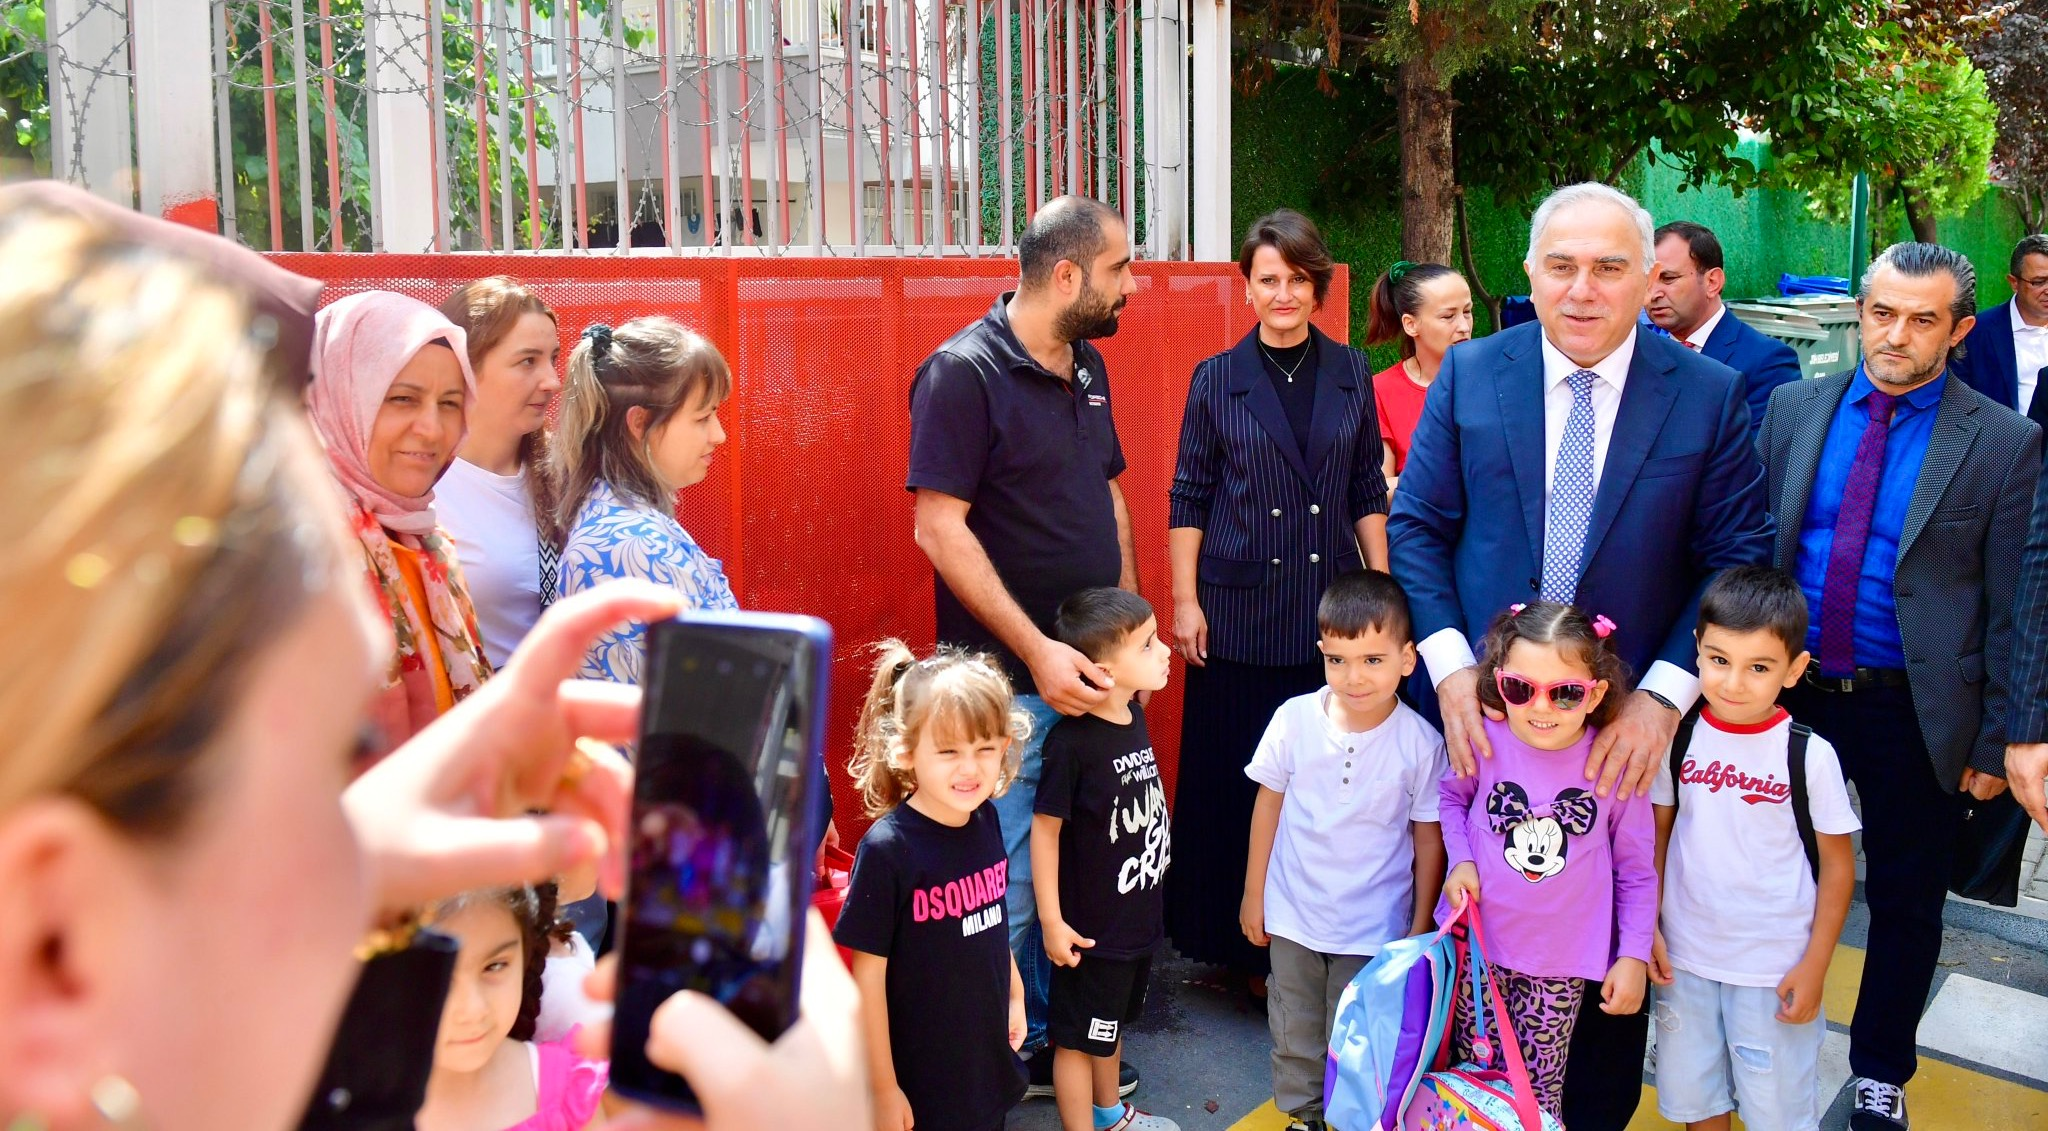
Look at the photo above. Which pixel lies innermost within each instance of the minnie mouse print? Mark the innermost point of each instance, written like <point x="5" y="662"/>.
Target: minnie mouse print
<point x="1538" y="838"/>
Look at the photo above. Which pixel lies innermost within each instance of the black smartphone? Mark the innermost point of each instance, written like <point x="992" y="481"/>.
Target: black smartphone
<point x="727" y="796"/>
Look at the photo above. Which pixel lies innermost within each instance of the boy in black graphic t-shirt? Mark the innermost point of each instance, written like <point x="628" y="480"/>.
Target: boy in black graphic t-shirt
<point x="1099" y="850"/>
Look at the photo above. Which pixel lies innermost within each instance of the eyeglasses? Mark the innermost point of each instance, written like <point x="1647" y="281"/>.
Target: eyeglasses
<point x="1519" y="691"/>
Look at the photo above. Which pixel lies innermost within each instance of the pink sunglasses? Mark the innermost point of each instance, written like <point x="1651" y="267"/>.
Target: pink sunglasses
<point x="1565" y="694"/>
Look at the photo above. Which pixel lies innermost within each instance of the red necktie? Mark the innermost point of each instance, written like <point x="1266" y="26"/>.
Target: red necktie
<point x="1852" y="533"/>
<point x="1689" y="345"/>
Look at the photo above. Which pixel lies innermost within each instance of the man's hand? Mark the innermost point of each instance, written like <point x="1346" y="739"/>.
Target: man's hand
<point x="1800" y="990"/>
<point x="1018" y="1025"/>
<point x="1191" y="632"/>
<point x="1628" y="751"/>
<point x="1059" y="672"/>
<point x="1464" y="733"/>
<point x="1981" y="785"/>
<point x="1064" y="944"/>
<point x="2026" y="768"/>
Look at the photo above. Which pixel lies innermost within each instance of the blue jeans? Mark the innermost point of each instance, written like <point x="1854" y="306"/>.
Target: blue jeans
<point x="1020" y="906"/>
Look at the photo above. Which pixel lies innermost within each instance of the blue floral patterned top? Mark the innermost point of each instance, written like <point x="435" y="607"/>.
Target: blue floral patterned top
<point x="613" y="538"/>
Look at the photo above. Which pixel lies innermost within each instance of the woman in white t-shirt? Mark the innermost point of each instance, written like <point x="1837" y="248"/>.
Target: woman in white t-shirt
<point x="497" y="500"/>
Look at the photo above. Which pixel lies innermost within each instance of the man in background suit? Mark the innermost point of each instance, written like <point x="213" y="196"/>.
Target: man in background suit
<point x="2005" y="355"/>
<point x="1685" y="301"/>
<point x="1902" y="502"/>
<point x="1579" y="460"/>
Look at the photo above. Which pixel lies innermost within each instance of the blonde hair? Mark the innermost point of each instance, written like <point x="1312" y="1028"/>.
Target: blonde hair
<point x="169" y="511"/>
<point x="963" y="695"/>
<point x="487" y="310"/>
<point x="650" y="363"/>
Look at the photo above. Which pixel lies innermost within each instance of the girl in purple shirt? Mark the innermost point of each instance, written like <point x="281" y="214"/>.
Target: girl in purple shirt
<point x="1569" y="877"/>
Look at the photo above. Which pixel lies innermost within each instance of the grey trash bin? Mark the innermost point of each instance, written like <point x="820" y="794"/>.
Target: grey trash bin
<point x="1821" y="329"/>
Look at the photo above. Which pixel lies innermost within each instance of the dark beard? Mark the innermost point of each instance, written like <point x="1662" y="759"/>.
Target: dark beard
<point x="1092" y="316"/>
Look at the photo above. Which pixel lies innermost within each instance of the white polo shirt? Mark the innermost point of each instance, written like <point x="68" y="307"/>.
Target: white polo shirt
<point x="1341" y="879"/>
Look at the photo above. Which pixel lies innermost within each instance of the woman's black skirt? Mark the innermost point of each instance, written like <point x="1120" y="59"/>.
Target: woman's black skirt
<point x="1227" y="707"/>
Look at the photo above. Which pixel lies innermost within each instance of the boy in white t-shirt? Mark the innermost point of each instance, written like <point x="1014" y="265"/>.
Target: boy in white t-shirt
<point x="1346" y="851"/>
<point x="1757" y="868"/>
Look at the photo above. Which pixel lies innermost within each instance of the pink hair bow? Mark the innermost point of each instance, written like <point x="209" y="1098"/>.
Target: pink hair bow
<point x="1516" y="608"/>
<point x="1602" y="627"/>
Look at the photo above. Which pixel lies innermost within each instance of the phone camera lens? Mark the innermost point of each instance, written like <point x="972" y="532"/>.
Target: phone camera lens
<point x="725" y="667"/>
<point x="760" y="668"/>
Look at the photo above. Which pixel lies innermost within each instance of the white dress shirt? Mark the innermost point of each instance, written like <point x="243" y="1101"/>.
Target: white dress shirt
<point x="2029" y="352"/>
<point x="1447" y="650"/>
<point x="1698" y="338"/>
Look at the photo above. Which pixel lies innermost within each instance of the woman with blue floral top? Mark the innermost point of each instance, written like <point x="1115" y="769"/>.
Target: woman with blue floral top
<point x="639" y="422"/>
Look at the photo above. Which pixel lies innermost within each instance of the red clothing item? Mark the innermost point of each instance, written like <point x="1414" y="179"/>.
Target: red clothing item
<point x="1399" y="402"/>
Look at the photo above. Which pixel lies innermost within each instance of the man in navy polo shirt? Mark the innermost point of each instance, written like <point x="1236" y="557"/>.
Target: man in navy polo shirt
<point x="1014" y="459"/>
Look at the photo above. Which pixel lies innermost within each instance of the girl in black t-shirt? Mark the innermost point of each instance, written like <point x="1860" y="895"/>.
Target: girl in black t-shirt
<point x="941" y="999"/>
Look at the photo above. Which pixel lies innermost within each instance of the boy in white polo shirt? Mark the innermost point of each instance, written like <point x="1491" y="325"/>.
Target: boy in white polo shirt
<point x="1753" y="846"/>
<point x="1346" y="851"/>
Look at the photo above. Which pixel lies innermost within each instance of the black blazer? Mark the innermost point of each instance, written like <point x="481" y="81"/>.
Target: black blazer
<point x="1277" y="523"/>
<point x="1959" y="554"/>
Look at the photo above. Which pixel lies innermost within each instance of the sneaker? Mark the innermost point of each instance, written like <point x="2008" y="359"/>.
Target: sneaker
<point x="1135" y="1120"/>
<point x="1039" y="1083"/>
<point x="1307" y="1125"/>
<point x="1879" y="1106"/>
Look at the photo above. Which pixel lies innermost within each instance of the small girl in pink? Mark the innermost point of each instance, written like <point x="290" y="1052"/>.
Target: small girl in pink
<point x="1565" y="873"/>
<point x="489" y="1072"/>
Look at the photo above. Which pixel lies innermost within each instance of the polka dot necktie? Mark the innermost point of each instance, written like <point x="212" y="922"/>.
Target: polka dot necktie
<point x="1571" y="496"/>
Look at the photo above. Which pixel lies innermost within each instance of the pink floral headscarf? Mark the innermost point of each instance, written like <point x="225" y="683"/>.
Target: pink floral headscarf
<point x="359" y="345"/>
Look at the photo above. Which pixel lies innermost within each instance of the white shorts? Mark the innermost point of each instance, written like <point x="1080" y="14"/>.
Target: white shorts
<point x="1722" y="1048"/>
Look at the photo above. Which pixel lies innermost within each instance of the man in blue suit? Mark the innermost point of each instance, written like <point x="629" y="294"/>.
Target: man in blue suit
<point x="1685" y="302"/>
<point x="2006" y="353"/>
<point x="1661" y="489"/>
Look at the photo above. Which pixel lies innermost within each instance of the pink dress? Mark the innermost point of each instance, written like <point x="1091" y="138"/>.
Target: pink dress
<point x="567" y="1087"/>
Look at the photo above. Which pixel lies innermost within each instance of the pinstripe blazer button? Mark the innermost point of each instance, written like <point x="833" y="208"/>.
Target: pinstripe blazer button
<point x="1276" y="512"/>
<point x="1314" y="508"/>
<point x="1313" y="558"/>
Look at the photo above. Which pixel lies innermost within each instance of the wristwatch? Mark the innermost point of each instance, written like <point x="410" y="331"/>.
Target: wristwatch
<point x="1658" y="696"/>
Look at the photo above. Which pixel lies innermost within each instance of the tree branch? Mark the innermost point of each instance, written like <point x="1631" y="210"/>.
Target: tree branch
<point x="1486" y="298"/>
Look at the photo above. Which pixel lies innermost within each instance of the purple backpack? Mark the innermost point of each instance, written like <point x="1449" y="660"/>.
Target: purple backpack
<point x="1392" y="1027"/>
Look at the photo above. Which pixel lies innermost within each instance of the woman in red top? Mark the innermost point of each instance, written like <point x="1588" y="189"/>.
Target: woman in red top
<point x="1428" y="307"/>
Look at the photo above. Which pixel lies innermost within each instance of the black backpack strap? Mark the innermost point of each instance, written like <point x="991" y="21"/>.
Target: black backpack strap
<point x="1802" y="812"/>
<point x="1680" y="743"/>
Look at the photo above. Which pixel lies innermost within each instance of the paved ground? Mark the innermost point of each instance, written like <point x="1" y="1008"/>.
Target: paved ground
<point x="1984" y="1038"/>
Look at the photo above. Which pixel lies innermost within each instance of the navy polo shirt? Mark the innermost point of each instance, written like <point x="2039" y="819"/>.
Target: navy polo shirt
<point x="1032" y="454"/>
<point x="1876" y="628"/>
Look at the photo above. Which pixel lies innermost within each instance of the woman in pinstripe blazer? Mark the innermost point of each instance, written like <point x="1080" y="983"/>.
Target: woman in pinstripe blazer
<point x="1278" y="489"/>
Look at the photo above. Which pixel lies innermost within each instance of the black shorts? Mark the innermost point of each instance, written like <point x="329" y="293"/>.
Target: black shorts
<point x="1088" y="1005"/>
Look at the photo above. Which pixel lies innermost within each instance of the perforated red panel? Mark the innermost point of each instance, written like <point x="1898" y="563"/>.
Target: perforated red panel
<point x="806" y="504"/>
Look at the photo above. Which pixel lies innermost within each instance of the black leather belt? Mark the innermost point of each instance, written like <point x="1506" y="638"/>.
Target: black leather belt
<point x="1865" y="679"/>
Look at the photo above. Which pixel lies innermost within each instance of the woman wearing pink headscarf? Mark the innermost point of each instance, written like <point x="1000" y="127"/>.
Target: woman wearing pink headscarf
<point x="389" y="400"/>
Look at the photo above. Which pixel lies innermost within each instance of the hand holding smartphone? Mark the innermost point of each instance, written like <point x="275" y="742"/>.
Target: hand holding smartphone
<point x="728" y="791"/>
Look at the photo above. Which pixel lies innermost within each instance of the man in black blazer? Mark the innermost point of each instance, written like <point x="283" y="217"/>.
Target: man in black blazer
<point x="1685" y="302"/>
<point x="1902" y="500"/>
<point x="2006" y="353"/>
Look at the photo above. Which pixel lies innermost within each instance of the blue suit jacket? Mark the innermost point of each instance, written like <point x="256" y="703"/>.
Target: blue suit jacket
<point x="1988" y="364"/>
<point x="1681" y="495"/>
<point x="1764" y="362"/>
